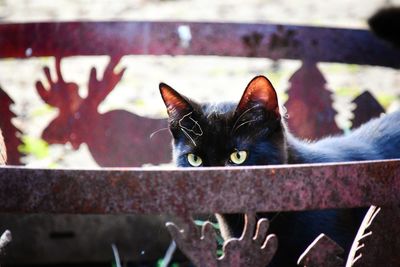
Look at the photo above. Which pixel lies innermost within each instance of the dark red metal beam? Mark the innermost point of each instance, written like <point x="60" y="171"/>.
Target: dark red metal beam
<point x="206" y="190"/>
<point x="223" y="39"/>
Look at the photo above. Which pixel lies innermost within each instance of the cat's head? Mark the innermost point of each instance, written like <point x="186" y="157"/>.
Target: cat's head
<point x="227" y="134"/>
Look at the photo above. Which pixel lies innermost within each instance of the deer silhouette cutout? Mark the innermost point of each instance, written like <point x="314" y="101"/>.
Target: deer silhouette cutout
<point x="116" y="138"/>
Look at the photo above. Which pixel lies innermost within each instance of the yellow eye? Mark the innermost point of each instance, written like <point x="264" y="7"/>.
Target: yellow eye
<point x="238" y="157"/>
<point x="194" y="160"/>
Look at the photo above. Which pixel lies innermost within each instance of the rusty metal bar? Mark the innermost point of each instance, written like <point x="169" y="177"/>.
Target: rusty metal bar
<point x="222" y="39"/>
<point x="179" y="191"/>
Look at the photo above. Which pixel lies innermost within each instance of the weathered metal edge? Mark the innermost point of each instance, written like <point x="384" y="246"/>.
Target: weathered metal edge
<point x="202" y="38"/>
<point x="181" y="191"/>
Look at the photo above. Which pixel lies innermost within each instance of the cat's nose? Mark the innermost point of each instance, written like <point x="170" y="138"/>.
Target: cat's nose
<point x="213" y="164"/>
<point x="219" y="164"/>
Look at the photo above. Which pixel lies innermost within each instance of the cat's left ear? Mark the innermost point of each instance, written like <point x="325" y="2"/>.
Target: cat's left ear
<point x="177" y="105"/>
<point x="259" y="92"/>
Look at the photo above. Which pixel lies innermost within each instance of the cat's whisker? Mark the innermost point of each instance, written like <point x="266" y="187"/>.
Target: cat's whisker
<point x="195" y="124"/>
<point x="198" y="125"/>
<point x="188" y="136"/>
<point x="241" y="115"/>
<point x="157" y="131"/>
<point x="244" y="123"/>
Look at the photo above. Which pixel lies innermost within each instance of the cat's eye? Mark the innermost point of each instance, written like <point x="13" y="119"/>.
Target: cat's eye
<point x="194" y="160"/>
<point x="238" y="157"/>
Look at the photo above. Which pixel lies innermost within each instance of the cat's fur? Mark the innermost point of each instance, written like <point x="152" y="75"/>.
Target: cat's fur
<point x="255" y="125"/>
<point x="385" y="23"/>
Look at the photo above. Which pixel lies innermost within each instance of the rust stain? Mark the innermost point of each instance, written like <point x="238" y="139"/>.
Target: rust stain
<point x="205" y="190"/>
<point x="283" y="38"/>
<point x="252" y="41"/>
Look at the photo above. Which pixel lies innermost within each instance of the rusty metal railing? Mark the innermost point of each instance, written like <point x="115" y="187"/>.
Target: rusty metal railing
<point x="183" y="192"/>
<point x="228" y="39"/>
<point x="208" y="190"/>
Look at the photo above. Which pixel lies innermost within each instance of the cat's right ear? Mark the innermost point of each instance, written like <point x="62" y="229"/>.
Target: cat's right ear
<point x="259" y="92"/>
<point x="177" y="105"/>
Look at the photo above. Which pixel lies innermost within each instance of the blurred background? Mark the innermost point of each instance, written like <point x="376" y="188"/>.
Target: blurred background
<point x="340" y="13"/>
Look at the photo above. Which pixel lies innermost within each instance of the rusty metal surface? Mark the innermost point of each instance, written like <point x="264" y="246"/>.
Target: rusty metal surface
<point x="190" y="191"/>
<point x="322" y="252"/>
<point x="309" y="107"/>
<point x="223" y="39"/>
<point x="208" y="190"/>
<point x="79" y="122"/>
<point x="116" y="138"/>
<point x="253" y="248"/>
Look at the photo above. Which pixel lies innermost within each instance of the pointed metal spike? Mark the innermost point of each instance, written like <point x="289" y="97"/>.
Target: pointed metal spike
<point x="322" y="252"/>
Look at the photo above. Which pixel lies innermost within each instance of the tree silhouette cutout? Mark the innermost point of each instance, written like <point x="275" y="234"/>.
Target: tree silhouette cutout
<point x="367" y="107"/>
<point x="311" y="115"/>
<point x="10" y="132"/>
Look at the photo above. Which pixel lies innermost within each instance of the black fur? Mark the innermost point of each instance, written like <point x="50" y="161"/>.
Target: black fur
<point x="213" y="132"/>
<point x="386" y="24"/>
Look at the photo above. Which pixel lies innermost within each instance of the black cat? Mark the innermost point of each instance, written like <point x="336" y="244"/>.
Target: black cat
<point x="253" y="132"/>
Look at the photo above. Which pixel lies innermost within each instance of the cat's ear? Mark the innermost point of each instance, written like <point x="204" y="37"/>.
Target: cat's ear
<point x="177" y="105"/>
<point x="259" y="92"/>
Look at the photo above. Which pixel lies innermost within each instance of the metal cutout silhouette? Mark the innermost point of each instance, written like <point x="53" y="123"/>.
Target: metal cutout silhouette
<point x="309" y="106"/>
<point x="117" y="138"/>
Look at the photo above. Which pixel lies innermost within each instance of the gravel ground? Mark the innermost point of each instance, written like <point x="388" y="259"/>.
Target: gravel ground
<point x="205" y="80"/>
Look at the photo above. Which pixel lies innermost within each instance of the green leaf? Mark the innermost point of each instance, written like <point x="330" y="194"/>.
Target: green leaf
<point x="385" y="99"/>
<point x="348" y="91"/>
<point x="34" y="146"/>
<point x="201" y="223"/>
<point x="43" y="110"/>
<point x="159" y="263"/>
